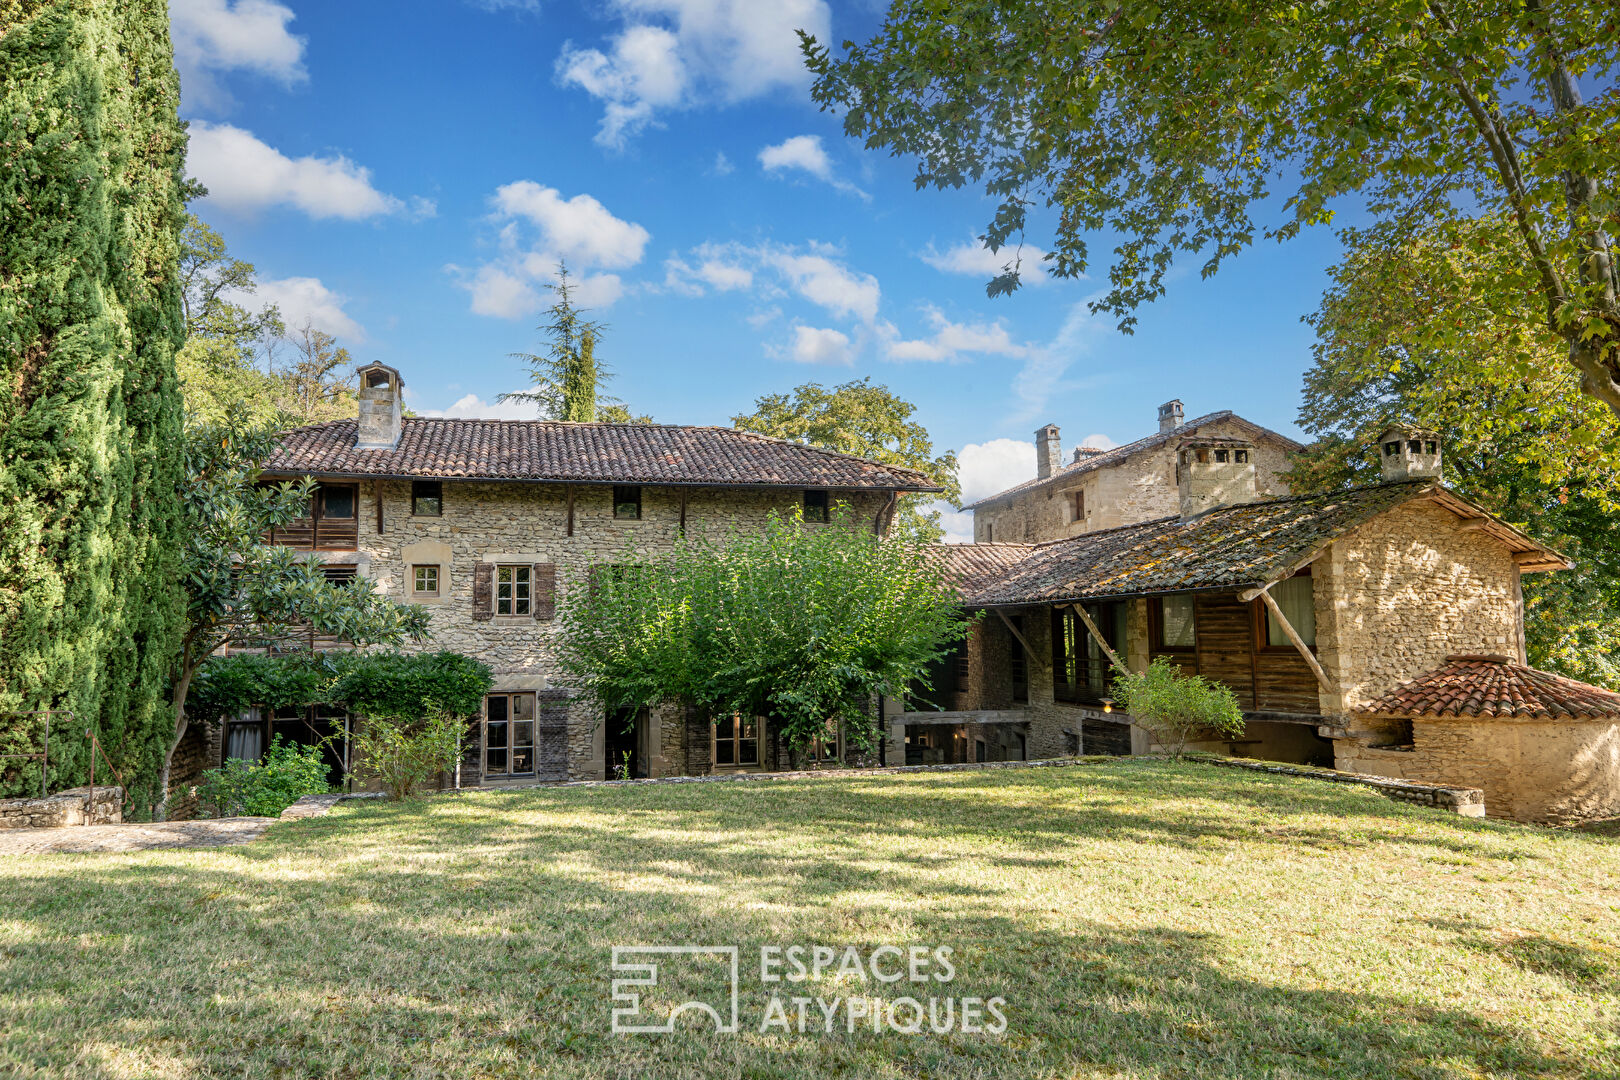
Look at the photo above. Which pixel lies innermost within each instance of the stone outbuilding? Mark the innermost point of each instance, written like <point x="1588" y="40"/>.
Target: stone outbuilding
<point x="1542" y="747"/>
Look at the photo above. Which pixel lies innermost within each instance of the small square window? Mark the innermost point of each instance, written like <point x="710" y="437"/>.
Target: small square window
<point x="1391" y="449"/>
<point x="815" y="506"/>
<point x="427" y="498"/>
<point x="1429" y="447"/>
<point x="512" y="592"/>
<point x="1413" y="446"/>
<point x="339" y="575"/>
<point x="626" y="503"/>
<point x="1222" y="455"/>
<point x="1242" y="456"/>
<point x="425" y="580"/>
<point x="337" y="501"/>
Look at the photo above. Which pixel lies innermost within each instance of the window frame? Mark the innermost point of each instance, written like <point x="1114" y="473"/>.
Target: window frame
<point x="619" y="499"/>
<point x="522" y="576"/>
<point x="1156" y="642"/>
<point x="817" y="506"/>
<point x="323" y="489"/>
<point x="509" y="744"/>
<point x="1077" y="505"/>
<point x="1064" y="620"/>
<point x="817" y="752"/>
<point x="418" y="497"/>
<point x="1263" y="620"/>
<point x="737" y="739"/>
<point x="417" y="575"/>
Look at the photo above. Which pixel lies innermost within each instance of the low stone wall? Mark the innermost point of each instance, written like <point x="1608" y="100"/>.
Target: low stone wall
<point x="70" y="807"/>
<point x="1469" y="802"/>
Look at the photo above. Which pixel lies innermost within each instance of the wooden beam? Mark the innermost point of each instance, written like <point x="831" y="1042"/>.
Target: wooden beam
<point x="1299" y="642"/>
<point x="1471" y="524"/>
<point x="1102" y="642"/>
<point x="1029" y="652"/>
<point x="683" y="515"/>
<point x="971" y="716"/>
<point x="570" y="509"/>
<point x="376" y="494"/>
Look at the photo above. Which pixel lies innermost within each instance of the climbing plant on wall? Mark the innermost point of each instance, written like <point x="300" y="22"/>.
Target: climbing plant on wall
<point x="91" y="206"/>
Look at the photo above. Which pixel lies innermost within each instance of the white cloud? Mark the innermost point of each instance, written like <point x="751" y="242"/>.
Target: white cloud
<point x="673" y="54"/>
<point x="772" y="269"/>
<point x="214" y="36"/>
<point x="805" y="153"/>
<point x="580" y="228"/>
<point x="722" y="165"/>
<point x="1045" y="366"/>
<point x="306" y="300"/>
<point x="1098" y="442"/>
<point x="473" y="407"/>
<point x="972" y="257"/>
<point x="244" y="175"/>
<point x="538" y="228"/>
<point x="498" y="6"/>
<point x="951" y="340"/>
<point x="984" y="469"/>
<point x="812" y="345"/>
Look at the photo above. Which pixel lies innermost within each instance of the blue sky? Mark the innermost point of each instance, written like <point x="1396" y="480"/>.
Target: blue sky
<point x="405" y="175"/>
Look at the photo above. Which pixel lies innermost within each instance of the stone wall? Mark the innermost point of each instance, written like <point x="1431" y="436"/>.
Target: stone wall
<point x="1141" y="488"/>
<point x="71" y="807"/>
<point x="1529" y="771"/>
<point x="1397" y="595"/>
<point x="528" y="523"/>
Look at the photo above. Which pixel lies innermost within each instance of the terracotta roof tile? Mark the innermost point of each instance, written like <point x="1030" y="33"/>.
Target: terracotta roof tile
<point x="974" y="566"/>
<point x="1494" y="687"/>
<point x="457" y="449"/>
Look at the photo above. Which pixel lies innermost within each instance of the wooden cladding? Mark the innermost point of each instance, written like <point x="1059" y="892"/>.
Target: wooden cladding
<point x="1231" y="649"/>
<point x="333" y="523"/>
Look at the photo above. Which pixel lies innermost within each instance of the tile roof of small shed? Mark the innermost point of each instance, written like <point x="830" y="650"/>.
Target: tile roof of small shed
<point x="539" y="450"/>
<point x="1105" y="458"/>
<point x="1494" y="687"/>
<point x="972" y="567"/>
<point x="1232" y="547"/>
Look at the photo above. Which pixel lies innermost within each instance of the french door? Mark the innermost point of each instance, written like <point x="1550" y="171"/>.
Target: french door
<point x="509" y="735"/>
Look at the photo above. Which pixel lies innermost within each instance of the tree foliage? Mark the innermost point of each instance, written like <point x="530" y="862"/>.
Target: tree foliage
<point x="411" y="686"/>
<point x="1175" y="126"/>
<point x="238" y="589"/>
<point x="567" y="379"/>
<point x="1177" y="709"/>
<point x="803" y="624"/>
<point x="405" y="754"/>
<point x="246" y="363"/>
<point x="868" y="421"/>
<point x="264" y="788"/>
<point x="1520" y="437"/>
<point x="91" y="208"/>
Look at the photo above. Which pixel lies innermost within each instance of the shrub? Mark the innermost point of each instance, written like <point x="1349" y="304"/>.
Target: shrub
<point x="264" y="789"/>
<point x="403" y="754"/>
<point x="1176" y="708"/>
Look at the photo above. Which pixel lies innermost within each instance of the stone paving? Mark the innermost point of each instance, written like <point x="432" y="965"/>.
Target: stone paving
<point x="208" y="833"/>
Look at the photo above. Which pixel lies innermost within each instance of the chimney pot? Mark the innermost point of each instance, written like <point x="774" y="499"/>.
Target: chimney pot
<point x="382" y="408"/>
<point x="1048" y="451"/>
<point x="1407" y="452"/>
<point x="1215" y="472"/>
<point x="1170" y="416"/>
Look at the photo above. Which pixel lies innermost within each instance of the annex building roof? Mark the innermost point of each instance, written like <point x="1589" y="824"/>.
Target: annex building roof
<point x="1495" y="687"/>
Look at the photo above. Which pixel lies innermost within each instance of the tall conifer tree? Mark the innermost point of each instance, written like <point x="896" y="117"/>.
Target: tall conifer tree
<point x="91" y="206"/>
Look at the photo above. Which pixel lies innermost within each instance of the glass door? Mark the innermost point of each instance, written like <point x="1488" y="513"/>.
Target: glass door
<point x="509" y="735"/>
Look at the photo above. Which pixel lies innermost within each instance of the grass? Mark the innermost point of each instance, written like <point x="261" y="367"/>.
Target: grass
<point x="1140" y="918"/>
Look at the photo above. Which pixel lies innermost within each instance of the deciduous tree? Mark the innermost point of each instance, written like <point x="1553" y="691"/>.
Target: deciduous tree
<point x="804" y="625"/>
<point x="1194" y="127"/>
<point x="869" y="421"/>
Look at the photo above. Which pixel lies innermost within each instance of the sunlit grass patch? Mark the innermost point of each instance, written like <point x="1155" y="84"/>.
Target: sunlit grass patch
<point x="1140" y="918"/>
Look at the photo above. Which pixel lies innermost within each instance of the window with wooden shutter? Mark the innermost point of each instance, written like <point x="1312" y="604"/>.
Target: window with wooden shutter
<point x="483" y="590"/>
<point x="545" y="591"/>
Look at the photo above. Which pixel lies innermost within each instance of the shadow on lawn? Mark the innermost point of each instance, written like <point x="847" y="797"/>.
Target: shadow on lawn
<point x="299" y="981"/>
<point x="473" y="939"/>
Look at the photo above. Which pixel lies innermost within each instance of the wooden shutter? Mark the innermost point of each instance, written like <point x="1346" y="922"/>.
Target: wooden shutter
<point x="483" y="590"/>
<point x="545" y="591"/>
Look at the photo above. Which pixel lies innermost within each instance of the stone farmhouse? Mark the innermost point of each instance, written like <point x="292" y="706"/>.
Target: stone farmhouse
<point x="1378" y="629"/>
<point x="488" y="522"/>
<point x="1104" y="489"/>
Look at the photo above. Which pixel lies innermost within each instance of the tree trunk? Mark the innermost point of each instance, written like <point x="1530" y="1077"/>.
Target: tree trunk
<point x="160" y="811"/>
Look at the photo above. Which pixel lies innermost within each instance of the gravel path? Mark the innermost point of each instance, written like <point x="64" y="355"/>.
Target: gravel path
<point x="216" y="832"/>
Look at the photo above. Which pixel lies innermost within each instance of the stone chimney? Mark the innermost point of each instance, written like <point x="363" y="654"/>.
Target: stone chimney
<point x="1214" y="472"/>
<point x="382" y="407"/>
<point x="1170" y="415"/>
<point x="1406" y="452"/>
<point x="1048" y="451"/>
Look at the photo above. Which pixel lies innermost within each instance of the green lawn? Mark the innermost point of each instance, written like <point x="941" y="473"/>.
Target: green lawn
<point x="1140" y="918"/>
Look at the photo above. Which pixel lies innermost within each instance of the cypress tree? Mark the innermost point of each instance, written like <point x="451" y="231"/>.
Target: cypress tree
<point x="91" y="207"/>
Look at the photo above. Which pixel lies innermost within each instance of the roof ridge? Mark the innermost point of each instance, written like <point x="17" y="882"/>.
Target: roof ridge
<point x="820" y="450"/>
